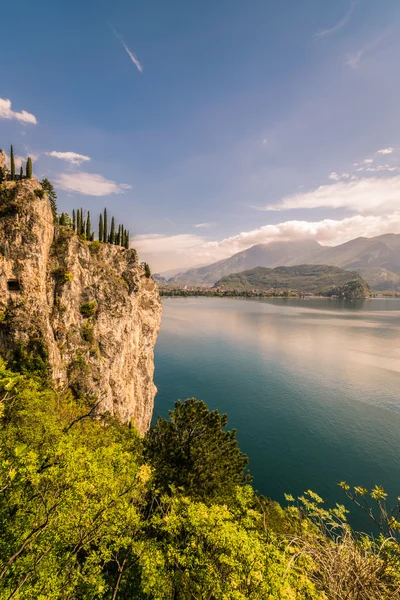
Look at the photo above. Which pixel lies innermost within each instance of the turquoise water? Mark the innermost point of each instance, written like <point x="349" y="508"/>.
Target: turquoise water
<point x="312" y="386"/>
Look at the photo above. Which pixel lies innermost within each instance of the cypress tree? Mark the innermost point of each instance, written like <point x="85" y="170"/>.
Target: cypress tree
<point x="83" y="223"/>
<point x="105" y="227"/>
<point x="88" y="227"/>
<point x="78" y="221"/>
<point x="101" y="228"/>
<point x="73" y="220"/>
<point x="28" y="168"/>
<point x="12" y="163"/>
<point x="118" y="236"/>
<point x="112" y="231"/>
<point x="21" y="172"/>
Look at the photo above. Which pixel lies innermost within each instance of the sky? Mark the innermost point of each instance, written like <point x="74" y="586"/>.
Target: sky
<point x="208" y="127"/>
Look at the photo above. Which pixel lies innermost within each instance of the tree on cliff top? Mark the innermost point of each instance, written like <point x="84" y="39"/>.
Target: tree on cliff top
<point x="12" y="163"/>
<point x="29" y="168"/>
<point x="52" y="196"/>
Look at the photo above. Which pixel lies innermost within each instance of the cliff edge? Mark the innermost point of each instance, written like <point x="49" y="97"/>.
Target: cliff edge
<point x="84" y="312"/>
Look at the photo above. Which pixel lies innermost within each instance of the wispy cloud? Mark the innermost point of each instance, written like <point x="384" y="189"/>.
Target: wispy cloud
<point x="71" y="157"/>
<point x="370" y="194"/>
<point x="354" y="59"/>
<point x="169" y="220"/>
<point x="21" y="160"/>
<point x="343" y="21"/>
<point x="23" y="116"/>
<point x="90" y="184"/>
<point x="133" y="58"/>
<point x="202" y="225"/>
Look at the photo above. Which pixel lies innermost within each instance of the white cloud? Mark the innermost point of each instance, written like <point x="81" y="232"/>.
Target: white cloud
<point x="129" y="52"/>
<point x="90" y="184"/>
<point x="368" y="161"/>
<point x="380" y="169"/>
<point x="202" y="225"/>
<point x="340" y="23"/>
<point x="363" y="195"/>
<point x="71" y="157"/>
<point x="7" y="113"/>
<point x="186" y="250"/>
<point x="388" y="150"/>
<point x="336" y="177"/>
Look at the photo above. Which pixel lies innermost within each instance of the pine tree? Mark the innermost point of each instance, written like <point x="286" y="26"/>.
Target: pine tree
<point x="28" y="168"/>
<point x="101" y="228"/>
<point x="21" y="172"/>
<point x="73" y="219"/>
<point x="52" y="196"/>
<point x="105" y="227"/>
<point x="12" y="163"/>
<point x="112" y="231"/>
<point x="88" y="227"/>
<point x="147" y="271"/>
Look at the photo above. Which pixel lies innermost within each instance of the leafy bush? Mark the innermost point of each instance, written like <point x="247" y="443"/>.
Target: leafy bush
<point x="39" y="193"/>
<point x="87" y="333"/>
<point x="82" y="514"/>
<point x="88" y="309"/>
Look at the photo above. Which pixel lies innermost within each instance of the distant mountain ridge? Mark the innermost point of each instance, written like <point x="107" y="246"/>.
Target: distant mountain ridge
<point x="377" y="259"/>
<point x="318" y="279"/>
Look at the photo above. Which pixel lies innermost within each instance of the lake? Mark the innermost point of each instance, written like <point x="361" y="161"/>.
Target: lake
<point x="311" y="386"/>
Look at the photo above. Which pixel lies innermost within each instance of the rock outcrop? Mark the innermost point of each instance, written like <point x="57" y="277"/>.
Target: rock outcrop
<point x="83" y="312"/>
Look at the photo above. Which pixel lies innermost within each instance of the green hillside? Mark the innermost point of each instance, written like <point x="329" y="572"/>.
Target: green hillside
<point x="318" y="279"/>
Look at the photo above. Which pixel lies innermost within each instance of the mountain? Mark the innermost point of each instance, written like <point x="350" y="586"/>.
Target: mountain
<point x="318" y="279"/>
<point x="84" y="313"/>
<point x="262" y="255"/>
<point x="376" y="259"/>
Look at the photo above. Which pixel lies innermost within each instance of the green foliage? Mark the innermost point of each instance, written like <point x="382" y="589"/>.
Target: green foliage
<point x="147" y="271"/>
<point x="39" y="193"/>
<point x="62" y="275"/>
<point x="88" y="309"/>
<point x="105" y="226"/>
<point x="192" y="451"/>
<point x="112" y="232"/>
<point x="87" y="333"/>
<point x="52" y="196"/>
<point x="31" y="357"/>
<point x="101" y="229"/>
<point x="12" y="163"/>
<point x="29" y="168"/>
<point x="88" y="227"/>
<point x="83" y="515"/>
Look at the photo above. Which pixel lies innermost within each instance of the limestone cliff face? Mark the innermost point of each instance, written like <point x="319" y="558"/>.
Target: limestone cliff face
<point x="84" y="310"/>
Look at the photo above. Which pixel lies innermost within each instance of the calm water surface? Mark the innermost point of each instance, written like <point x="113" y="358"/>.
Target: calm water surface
<point x="312" y="386"/>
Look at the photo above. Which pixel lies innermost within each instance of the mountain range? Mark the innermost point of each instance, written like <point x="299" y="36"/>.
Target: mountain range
<point x="377" y="260"/>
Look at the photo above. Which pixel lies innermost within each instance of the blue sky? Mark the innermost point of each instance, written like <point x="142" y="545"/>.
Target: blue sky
<point x="245" y="122"/>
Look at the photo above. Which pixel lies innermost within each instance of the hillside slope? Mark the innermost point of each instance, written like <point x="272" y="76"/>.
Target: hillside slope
<point x="262" y="255"/>
<point x="318" y="279"/>
<point x="378" y="259"/>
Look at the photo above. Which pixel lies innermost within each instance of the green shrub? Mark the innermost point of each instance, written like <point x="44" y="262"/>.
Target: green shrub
<point x="62" y="275"/>
<point x="87" y="333"/>
<point x="39" y="193"/>
<point x="88" y="309"/>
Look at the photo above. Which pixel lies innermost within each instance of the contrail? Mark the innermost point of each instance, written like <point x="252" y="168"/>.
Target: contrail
<point x="129" y="53"/>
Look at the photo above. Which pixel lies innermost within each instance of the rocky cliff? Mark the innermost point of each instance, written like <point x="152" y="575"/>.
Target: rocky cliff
<point x="83" y="312"/>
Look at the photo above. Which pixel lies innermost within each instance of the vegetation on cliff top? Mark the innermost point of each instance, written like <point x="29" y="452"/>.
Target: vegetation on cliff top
<point x="89" y="510"/>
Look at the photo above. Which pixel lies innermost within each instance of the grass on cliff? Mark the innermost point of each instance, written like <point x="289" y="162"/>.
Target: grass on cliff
<point x="89" y="510"/>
